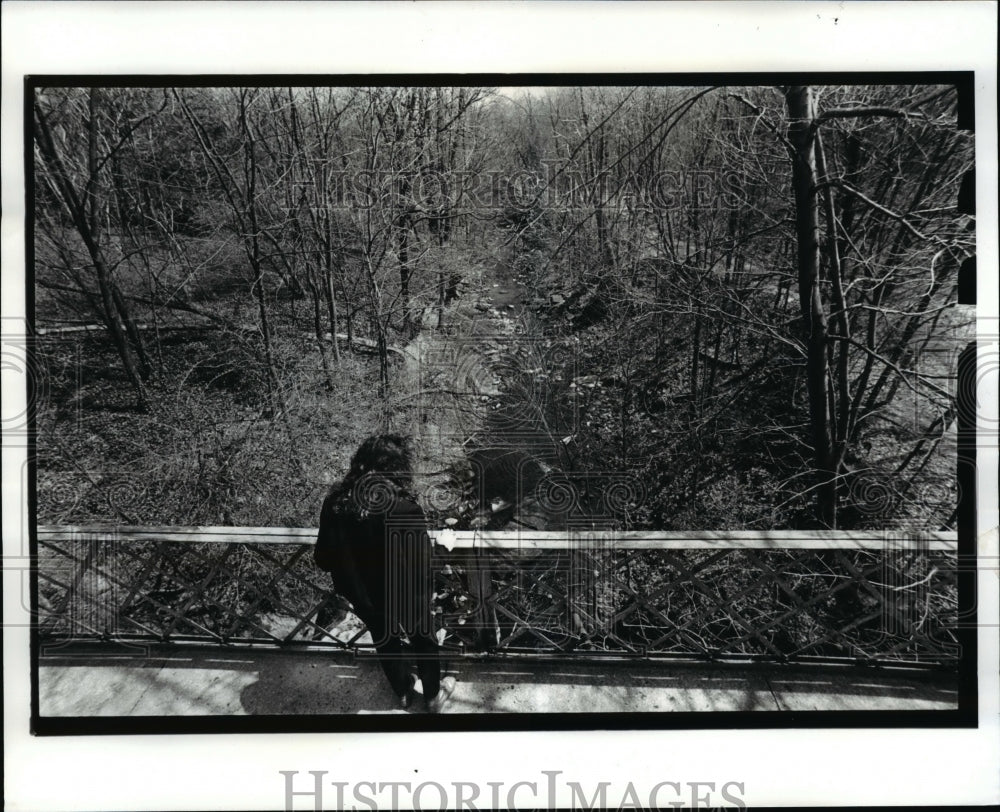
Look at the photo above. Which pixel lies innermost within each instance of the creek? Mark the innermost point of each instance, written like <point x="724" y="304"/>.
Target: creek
<point x="485" y="390"/>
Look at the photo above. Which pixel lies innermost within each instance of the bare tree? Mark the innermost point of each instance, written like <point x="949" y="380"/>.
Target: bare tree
<point x="85" y="202"/>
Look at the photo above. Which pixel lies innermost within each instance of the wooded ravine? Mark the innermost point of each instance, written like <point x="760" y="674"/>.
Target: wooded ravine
<point x="728" y="307"/>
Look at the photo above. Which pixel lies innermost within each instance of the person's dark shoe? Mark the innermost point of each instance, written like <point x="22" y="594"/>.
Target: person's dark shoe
<point x="437" y="703"/>
<point x="407" y="699"/>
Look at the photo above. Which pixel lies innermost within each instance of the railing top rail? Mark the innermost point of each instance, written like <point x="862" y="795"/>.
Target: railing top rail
<point x="524" y="539"/>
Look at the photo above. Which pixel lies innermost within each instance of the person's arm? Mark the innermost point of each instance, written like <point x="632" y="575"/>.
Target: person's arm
<point x="334" y="555"/>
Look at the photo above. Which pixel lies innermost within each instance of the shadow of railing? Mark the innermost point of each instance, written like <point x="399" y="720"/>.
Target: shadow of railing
<point x="805" y="596"/>
<point x="202" y="680"/>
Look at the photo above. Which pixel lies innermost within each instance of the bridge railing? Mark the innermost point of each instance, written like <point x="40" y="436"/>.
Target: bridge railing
<point x="779" y="595"/>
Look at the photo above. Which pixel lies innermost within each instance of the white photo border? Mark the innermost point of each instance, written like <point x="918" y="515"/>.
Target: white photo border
<point x="224" y="771"/>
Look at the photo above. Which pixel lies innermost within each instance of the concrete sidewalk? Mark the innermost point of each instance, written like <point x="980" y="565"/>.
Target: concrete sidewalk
<point x="184" y="681"/>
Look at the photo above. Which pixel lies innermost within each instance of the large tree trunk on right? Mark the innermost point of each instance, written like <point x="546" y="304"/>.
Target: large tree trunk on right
<point x="801" y="133"/>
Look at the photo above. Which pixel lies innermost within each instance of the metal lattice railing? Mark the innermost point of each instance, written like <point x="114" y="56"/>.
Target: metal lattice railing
<point x="759" y="595"/>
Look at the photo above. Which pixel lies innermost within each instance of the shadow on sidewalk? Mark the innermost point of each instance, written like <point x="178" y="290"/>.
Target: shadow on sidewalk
<point x="164" y="681"/>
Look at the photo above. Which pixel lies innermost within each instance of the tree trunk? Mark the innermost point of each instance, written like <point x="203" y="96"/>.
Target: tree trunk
<point x="842" y="411"/>
<point x="403" y="255"/>
<point x="91" y="239"/>
<point x="814" y="323"/>
<point x="695" y="350"/>
<point x="132" y="332"/>
<point x="275" y="399"/>
<point x="331" y="307"/>
<point x="378" y="328"/>
<point x="600" y="191"/>
<point x="318" y="330"/>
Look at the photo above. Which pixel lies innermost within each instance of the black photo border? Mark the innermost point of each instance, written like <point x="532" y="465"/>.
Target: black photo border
<point x="964" y="716"/>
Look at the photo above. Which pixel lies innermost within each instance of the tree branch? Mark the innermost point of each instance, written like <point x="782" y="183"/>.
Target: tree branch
<point x="860" y="112"/>
<point x="900" y="218"/>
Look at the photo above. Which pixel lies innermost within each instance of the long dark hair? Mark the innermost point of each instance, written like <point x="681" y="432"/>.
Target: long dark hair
<point x="381" y="472"/>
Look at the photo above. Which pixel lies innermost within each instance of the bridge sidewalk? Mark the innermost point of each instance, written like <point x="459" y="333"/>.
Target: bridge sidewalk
<point x="116" y="681"/>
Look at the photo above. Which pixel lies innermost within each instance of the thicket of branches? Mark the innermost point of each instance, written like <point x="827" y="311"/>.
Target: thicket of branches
<point x="745" y="297"/>
<point x="761" y="284"/>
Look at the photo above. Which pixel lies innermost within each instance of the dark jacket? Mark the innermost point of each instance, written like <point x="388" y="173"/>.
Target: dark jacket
<point x="379" y="559"/>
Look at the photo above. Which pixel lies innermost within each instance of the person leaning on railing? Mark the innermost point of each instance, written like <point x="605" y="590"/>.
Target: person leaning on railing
<point x="373" y="541"/>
